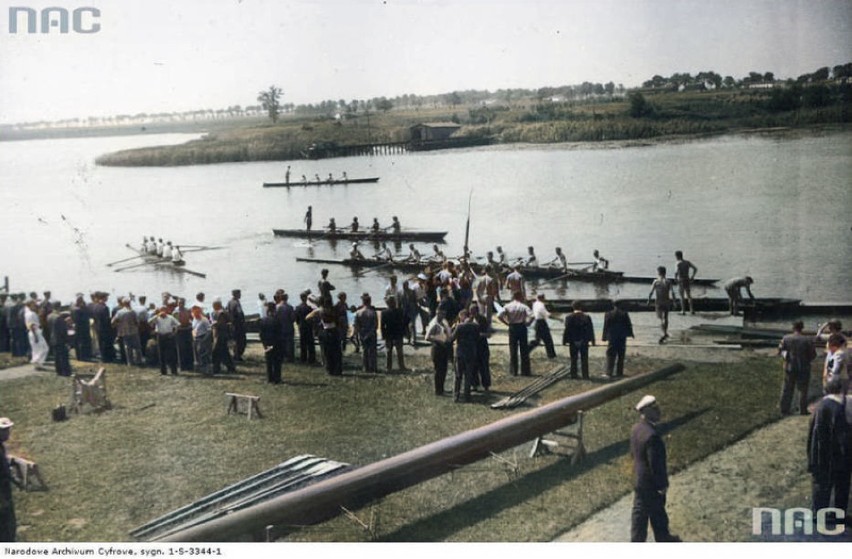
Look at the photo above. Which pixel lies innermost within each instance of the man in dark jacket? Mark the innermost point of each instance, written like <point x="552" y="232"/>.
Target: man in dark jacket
<point x="238" y="324"/>
<point x="798" y="352"/>
<point x="270" y="338"/>
<point x="578" y="334"/>
<point x="307" y="349"/>
<point x="82" y="329"/>
<point x="466" y="336"/>
<point x="286" y="316"/>
<point x="650" y="476"/>
<point x="8" y="524"/>
<point x="828" y="449"/>
<point x="393" y="332"/>
<point x="103" y="322"/>
<point x="617" y="327"/>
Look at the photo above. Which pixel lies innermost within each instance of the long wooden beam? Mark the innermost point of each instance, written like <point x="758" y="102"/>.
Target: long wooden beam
<point x="325" y="500"/>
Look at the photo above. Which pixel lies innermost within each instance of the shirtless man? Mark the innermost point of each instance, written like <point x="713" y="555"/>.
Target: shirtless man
<point x="661" y="291"/>
<point x="684" y="278"/>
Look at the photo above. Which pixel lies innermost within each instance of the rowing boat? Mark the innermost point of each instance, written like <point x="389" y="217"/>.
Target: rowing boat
<point x="373" y="263"/>
<point x="162" y="263"/>
<point x="325" y="182"/>
<point x="368" y="235"/>
<point x="759" y="307"/>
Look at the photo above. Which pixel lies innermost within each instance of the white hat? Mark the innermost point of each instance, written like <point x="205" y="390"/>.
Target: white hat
<point x="5" y="423"/>
<point x="646" y="401"/>
<point x="422" y="276"/>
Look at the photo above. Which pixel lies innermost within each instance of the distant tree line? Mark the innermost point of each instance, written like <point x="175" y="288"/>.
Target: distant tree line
<point x="712" y="80"/>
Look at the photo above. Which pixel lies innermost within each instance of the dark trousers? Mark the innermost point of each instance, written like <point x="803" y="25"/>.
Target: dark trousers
<point x="649" y="505"/>
<point x="273" y="359"/>
<point x="239" y="343"/>
<point x="20" y="344"/>
<point x="186" y="353"/>
<point x="518" y="344"/>
<point x="167" y="353"/>
<point x="332" y="351"/>
<point x="579" y="350"/>
<point x="466" y="370"/>
<point x="106" y="343"/>
<point x="615" y="352"/>
<point x="391" y="345"/>
<point x="222" y="356"/>
<point x="793" y="381"/>
<point x="288" y="347"/>
<point x="83" y="344"/>
<point x="61" y="360"/>
<point x="441" y="362"/>
<point x="370" y="357"/>
<point x="542" y="336"/>
<point x="483" y="354"/>
<point x="8" y="523"/>
<point x="823" y="485"/>
<point x="5" y="340"/>
<point x="307" y="351"/>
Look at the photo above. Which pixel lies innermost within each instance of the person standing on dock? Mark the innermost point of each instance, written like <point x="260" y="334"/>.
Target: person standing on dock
<point x="270" y="339"/>
<point x="307" y="350"/>
<point x="734" y="287"/>
<point x="165" y="328"/>
<point x="202" y="340"/>
<point x="286" y="315"/>
<point x="366" y="326"/>
<point x="515" y="282"/>
<point x="8" y="523"/>
<point x="684" y="275"/>
<point x="183" y="335"/>
<point x="238" y="321"/>
<point x="287" y="175"/>
<point x="309" y="218"/>
<point x="650" y="476"/>
<point x="393" y="332"/>
<point x="542" y="330"/>
<point x="532" y="260"/>
<point x="438" y="334"/>
<point x="661" y="291"/>
<point x="798" y="353"/>
<point x="517" y="316"/>
<point x="829" y="450"/>
<point x="578" y="334"/>
<point x="617" y="327"/>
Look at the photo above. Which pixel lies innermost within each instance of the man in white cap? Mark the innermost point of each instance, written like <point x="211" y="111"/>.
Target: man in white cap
<point x="650" y="476"/>
<point x="7" y="507"/>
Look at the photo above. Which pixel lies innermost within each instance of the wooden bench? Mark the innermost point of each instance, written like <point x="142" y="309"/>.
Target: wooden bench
<point x="251" y="404"/>
<point x="24" y="471"/>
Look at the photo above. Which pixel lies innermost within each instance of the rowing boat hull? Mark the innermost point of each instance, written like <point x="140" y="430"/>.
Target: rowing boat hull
<point x="422" y="236"/>
<point x="321" y="183"/>
<point x="759" y="307"/>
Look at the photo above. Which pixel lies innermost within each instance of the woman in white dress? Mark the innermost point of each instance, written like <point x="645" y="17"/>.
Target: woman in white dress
<point x="38" y="344"/>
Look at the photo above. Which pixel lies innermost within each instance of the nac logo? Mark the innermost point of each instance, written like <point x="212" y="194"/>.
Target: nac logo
<point x="29" y="20"/>
<point x="797" y="521"/>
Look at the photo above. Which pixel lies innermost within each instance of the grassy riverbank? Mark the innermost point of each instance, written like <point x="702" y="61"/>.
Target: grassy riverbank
<point x="168" y="441"/>
<point x="658" y="115"/>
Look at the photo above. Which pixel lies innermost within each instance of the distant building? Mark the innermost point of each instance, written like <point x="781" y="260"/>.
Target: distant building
<point x="429" y="131"/>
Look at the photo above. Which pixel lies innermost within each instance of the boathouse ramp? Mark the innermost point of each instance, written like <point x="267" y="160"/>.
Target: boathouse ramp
<point x="330" y="497"/>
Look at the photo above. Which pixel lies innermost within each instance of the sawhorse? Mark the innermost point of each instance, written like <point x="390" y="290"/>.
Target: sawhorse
<point x="573" y="440"/>
<point x="251" y="406"/>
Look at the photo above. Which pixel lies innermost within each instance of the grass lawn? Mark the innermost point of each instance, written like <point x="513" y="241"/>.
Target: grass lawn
<point x="168" y="441"/>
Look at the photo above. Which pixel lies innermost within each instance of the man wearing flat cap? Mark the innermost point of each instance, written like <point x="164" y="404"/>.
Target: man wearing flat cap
<point x="7" y="508"/>
<point x="650" y="476"/>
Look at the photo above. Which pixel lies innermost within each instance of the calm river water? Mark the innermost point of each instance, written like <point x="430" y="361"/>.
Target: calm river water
<point x="773" y="207"/>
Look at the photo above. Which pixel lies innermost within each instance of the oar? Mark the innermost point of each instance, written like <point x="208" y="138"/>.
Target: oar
<point x="134" y="266"/>
<point x="193" y="272"/>
<point x="126" y="259"/>
<point x="199" y="249"/>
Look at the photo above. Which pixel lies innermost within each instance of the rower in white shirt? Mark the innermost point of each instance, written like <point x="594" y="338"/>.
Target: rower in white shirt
<point x="532" y="260"/>
<point x="160" y="246"/>
<point x="384" y="253"/>
<point x="177" y="257"/>
<point x="355" y="253"/>
<point x="413" y="254"/>
<point x="167" y="250"/>
<point x="152" y="246"/>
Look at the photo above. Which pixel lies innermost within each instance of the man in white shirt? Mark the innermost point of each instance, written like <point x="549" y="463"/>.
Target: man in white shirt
<point x="438" y="334"/>
<point x="517" y="316"/>
<point x="165" y="327"/>
<point x="542" y="330"/>
<point x="202" y="339"/>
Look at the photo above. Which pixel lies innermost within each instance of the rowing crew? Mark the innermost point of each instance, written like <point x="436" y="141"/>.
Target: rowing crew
<point x="160" y="249"/>
<point x="355" y="227"/>
<point x="599" y="264"/>
<point x="385" y="254"/>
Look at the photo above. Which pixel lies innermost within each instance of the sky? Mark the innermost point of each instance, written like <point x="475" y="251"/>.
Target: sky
<point x="154" y="56"/>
